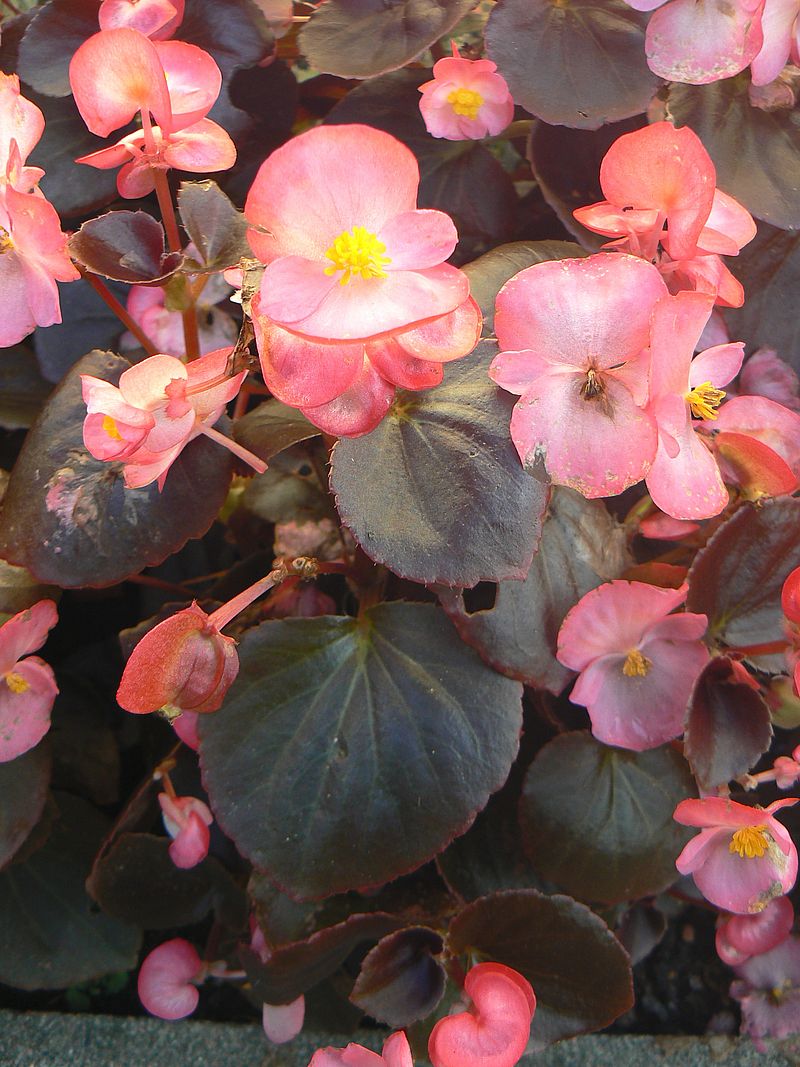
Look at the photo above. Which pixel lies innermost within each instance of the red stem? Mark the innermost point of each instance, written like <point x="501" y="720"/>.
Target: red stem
<point x="191" y="338"/>
<point x="105" y="294"/>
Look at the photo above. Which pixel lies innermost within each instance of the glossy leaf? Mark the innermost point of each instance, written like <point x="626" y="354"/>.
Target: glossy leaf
<point x="272" y="427"/>
<point x="437" y="492"/>
<point x="728" y="725"/>
<point x="339" y="761"/>
<point x="582" y="546"/>
<point x="56" y="32"/>
<point x="736" y="580"/>
<point x="755" y="151"/>
<point x="769" y="270"/>
<point x="362" y="38"/>
<point x="598" y="822"/>
<point x="579" y="970"/>
<point x="24" y="783"/>
<point x="126" y="246"/>
<point x="400" y="980"/>
<point x="214" y="225"/>
<point x="574" y="64"/>
<point x="68" y="517"/>
<point x="51" y="934"/>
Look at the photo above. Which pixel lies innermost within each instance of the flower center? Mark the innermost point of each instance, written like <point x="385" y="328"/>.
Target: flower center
<point x="751" y="842"/>
<point x="357" y="251"/>
<point x="636" y="665"/>
<point x="6" y="244"/>
<point x="704" y="400"/>
<point x="110" y="428"/>
<point x="592" y="386"/>
<point x="465" y="102"/>
<point x="16" y="683"/>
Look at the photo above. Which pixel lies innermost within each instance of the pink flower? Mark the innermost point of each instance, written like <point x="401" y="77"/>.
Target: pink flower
<point x="184" y="662"/>
<point x="787" y="769"/>
<point x="742" y="858"/>
<point x="741" y="936"/>
<point x="466" y="99"/>
<point x="27" y="685"/>
<point x="154" y="18"/>
<point x="396" y="1053"/>
<point x="166" y="979"/>
<point x="701" y="42"/>
<point x="574" y="337"/>
<point x="159" y="406"/>
<point x="146" y="306"/>
<point x="766" y="374"/>
<point x="283" y="1022"/>
<point x="186" y="820"/>
<point x="185" y="726"/>
<point x="769" y="991"/>
<point x="662" y="527"/>
<point x="780" y="23"/>
<point x="21" y="124"/>
<point x="174" y="82"/>
<point x="638" y="662"/>
<point x="494" y="1031"/>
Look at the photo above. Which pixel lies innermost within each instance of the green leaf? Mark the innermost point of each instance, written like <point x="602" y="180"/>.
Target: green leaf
<point x="400" y="980"/>
<point x="755" y="151"/>
<point x="598" y="822"/>
<point x="353" y="750"/>
<point x="51" y="934"/>
<point x="577" y="63"/>
<point x="582" y="546"/>
<point x="214" y="225"/>
<point x="580" y="972"/>
<point x="736" y="580"/>
<point x="362" y="38"/>
<point x="24" y="783"/>
<point x="272" y="427"/>
<point x="437" y="492"/>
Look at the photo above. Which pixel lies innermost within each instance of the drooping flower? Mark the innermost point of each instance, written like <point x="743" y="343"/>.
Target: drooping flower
<point x="768" y="991"/>
<point x="27" y="684"/>
<point x="574" y="338"/>
<point x="186" y="820"/>
<point x="741" y="936"/>
<point x="742" y="858"/>
<point x="638" y="662"/>
<point x="494" y="1031"/>
<point x="396" y="1053"/>
<point x="154" y="18"/>
<point x="467" y="99"/>
<point x="167" y="979"/>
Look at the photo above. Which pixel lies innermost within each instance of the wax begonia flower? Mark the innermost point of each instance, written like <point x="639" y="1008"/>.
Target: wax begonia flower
<point x="396" y="1053"/>
<point x="494" y="1031"/>
<point x="349" y="257"/>
<point x="768" y="990"/>
<point x="767" y="430"/>
<point x="166" y="979"/>
<point x="638" y="662"/>
<point x="146" y="305"/>
<point x="467" y="99"/>
<point x="780" y="25"/>
<point x="283" y="1022"/>
<point x="154" y="18"/>
<point x="741" y="936"/>
<point x="186" y="820"/>
<point x="27" y="684"/>
<point x="21" y="123"/>
<point x="574" y="337"/>
<point x="742" y="858"/>
<point x="184" y="662"/>
<point x="685" y="480"/>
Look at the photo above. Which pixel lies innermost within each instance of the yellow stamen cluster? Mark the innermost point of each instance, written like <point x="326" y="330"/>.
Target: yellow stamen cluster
<point x="751" y="842"/>
<point x="465" y="102"/>
<point x="704" y="400"/>
<point x="16" y="683"/>
<point x="636" y="665"/>
<point x="358" y="253"/>
<point x="6" y="244"/>
<point x="110" y="428"/>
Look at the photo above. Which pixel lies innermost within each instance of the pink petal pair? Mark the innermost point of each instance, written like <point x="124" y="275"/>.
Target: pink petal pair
<point x="27" y="684"/>
<point x="186" y="820"/>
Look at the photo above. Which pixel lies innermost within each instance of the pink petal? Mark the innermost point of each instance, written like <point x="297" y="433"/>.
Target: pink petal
<point x="165" y="977"/>
<point x="753" y="934"/>
<point x="108" y="158"/>
<point x="767" y="421"/>
<point x="143" y="385"/>
<point x="397" y="1051"/>
<point x="193" y="79"/>
<point x="146" y="16"/>
<point x="729" y="226"/>
<point x="739" y="884"/>
<point x="663" y="527"/>
<point x="395" y="365"/>
<point x="575" y="309"/>
<point x="26" y="631"/>
<point x="685" y="626"/>
<point x="688" y="485"/>
<point x="719" y="812"/>
<point x="135" y="180"/>
<point x="25" y="716"/>
<point x="202" y="148"/>
<point x="418" y="239"/>
<point x="20" y="120"/>
<point x="696" y="851"/>
<point x="190" y="847"/>
<point x="185" y="726"/>
<point x="611" y="221"/>
<point x="445" y="338"/>
<point x="351" y="1056"/>
<point x="356" y="411"/>
<point x="143" y="468"/>
<point x="323" y="183"/>
<point x="778" y="26"/>
<point x="718" y="365"/>
<point x="210" y="389"/>
<point x="292" y="288"/>
<point x="517" y="371"/>
<point x="701" y="43"/>
<point x="283" y="1022"/>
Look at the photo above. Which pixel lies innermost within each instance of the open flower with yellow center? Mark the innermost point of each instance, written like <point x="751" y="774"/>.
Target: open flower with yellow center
<point x="743" y="858"/>
<point x="27" y="685"/>
<point x="467" y="99"/>
<point x="638" y="661"/>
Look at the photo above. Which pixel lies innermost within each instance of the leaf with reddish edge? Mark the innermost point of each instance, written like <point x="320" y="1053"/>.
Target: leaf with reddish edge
<point x="400" y="980"/>
<point x="436" y="492"/>
<point x="736" y="580"/>
<point x="728" y="725"/>
<point x="574" y="64"/>
<point x="214" y="225"/>
<point x="333" y="42"/>
<point x="272" y="427"/>
<point x="769" y="270"/>
<point x="755" y="151"/>
<point x="597" y="821"/>
<point x="68" y="517"/>
<point x="126" y="246"/>
<point x="296" y="967"/>
<point x="580" y="972"/>
<point x="582" y="546"/>
<point x="56" y="32"/>
<point x="51" y="934"/>
<point x="24" y="783"/>
<point x="371" y="723"/>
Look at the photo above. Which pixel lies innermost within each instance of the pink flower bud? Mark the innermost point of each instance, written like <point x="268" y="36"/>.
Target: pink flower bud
<point x="186" y="820"/>
<point x="283" y="1022"/>
<point x="741" y="936"/>
<point x="166" y="977"/>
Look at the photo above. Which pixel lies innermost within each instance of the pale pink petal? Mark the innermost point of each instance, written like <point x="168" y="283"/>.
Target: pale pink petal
<point x="688" y="485"/>
<point x="418" y="239"/>
<point x="146" y="16"/>
<point x="677" y="324"/>
<point x="778" y="26"/>
<point x="397" y="1051"/>
<point x="209" y="388"/>
<point x="193" y="80"/>
<point x="707" y="274"/>
<point x="143" y="384"/>
<point x="164" y="980"/>
<point x="740" y="884"/>
<point x="185" y="726"/>
<point x="701" y="43"/>
<point x="351" y="1056"/>
<point x="20" y="120"/>
<point x="292" y="288"/>
<point x="645" y="5"/>
<point x="135" y="180"/>
<point x="202" y="148"/>
<point x="719" y="812"/>
<point x="25" y="712"/>
<point x="108" y="158"/>
<point x="729" y="224"/>
<point x="445" y="338"/>
<point x="714" y="333"/>
<point x="742" y="936"/>
<point x="145" y="467"/>
<point x="663" y="527"/>
<point x="190" y="847"/>
<point x="357" y="410"/>
<point x="718" y="365"/>
<point x="612" y="221"/>
<point x="696" y="851"/>
<point x="283" y="1022"/>
<point x="767" y="421"/>
<point x="516" y="371"/>
<point x="25" y="632"/>
<point x="685" y="626"/>
<point x="393" y="363"/>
